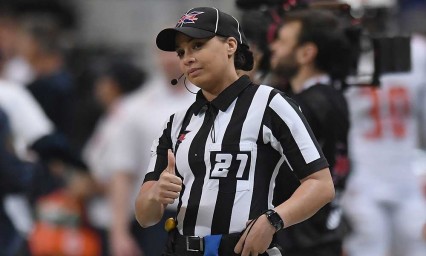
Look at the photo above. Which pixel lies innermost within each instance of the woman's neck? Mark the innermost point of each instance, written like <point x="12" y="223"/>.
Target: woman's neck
<point x="219" y="86"/>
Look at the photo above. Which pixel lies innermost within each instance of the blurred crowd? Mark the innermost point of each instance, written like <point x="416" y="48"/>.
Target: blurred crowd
<point x="77" y="123"/>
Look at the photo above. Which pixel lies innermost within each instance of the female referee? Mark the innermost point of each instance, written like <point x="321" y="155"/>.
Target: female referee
<point x="220" y="157"/>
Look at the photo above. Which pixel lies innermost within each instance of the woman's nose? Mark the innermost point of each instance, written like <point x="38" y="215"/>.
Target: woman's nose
<point x="188" y="59"/>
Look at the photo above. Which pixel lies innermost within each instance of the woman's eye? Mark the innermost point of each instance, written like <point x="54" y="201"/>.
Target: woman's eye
<point x="198" y="45"/>
<point x="180" y="54"/>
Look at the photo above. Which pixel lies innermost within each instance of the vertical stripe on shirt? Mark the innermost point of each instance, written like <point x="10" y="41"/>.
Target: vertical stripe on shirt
<point x="228" y="185"/>
<point x="198" y="168"/>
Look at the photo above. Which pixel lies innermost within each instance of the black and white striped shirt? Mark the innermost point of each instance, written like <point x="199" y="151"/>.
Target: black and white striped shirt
<point x="228" y="153"/>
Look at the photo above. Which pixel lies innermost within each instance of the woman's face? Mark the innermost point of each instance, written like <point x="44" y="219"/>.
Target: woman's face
<point x="207" y="63"/>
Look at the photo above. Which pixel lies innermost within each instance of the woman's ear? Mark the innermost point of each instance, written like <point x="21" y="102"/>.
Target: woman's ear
<point x="232" y="45"/>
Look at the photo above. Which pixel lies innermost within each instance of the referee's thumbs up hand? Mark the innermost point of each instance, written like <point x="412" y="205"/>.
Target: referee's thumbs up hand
<point x="169" y="185"/>
<point x="171" y="162"/>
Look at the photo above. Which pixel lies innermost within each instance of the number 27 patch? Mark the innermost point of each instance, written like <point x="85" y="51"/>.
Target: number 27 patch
<point x="230" y="164"/>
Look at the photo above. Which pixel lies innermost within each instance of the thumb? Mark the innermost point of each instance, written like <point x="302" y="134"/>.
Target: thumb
<point x="171" y="162"/>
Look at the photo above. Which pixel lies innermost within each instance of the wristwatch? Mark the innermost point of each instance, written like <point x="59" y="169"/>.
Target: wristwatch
<point x="274" y="219"/>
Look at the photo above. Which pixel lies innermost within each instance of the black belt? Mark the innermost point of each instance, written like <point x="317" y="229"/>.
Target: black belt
<point x="179" y="245"/>
<point x="190" y="243"/>
<point x="194" y="245"/>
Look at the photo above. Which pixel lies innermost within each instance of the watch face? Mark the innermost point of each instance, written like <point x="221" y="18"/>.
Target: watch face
<point x="275" y="219"/>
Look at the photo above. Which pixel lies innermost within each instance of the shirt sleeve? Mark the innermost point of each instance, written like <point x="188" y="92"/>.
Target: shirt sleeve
<point x="159" y="149"/>
<point x="27" y="119"/>
<point x="293" y="136"/>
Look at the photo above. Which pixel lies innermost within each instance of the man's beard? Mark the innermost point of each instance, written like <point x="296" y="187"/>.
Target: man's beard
<point x="287" y="68"/>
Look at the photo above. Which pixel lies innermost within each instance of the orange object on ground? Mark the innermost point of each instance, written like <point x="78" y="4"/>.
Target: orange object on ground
<point x="59" y="229"/>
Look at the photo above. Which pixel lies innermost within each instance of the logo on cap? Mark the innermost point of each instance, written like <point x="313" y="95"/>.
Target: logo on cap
<point x="188" y="18"/>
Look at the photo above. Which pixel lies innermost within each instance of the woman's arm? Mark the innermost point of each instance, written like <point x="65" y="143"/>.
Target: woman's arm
<point x="154" y="196"/>
<point x="315" y="191"/>
<point x="148" y="211"/>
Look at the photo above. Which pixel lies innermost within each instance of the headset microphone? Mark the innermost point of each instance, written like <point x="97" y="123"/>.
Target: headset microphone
<point x="175" y="81"/>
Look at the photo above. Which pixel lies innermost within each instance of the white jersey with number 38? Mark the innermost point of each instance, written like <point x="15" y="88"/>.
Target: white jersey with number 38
<point x="386" y="121"/>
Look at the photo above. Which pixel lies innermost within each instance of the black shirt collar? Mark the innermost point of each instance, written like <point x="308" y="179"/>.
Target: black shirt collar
<point x="225" y="98"/>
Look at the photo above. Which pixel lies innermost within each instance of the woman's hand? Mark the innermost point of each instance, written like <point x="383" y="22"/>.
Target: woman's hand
<point x="168" y="187"/>
<point x="258" y="239"/>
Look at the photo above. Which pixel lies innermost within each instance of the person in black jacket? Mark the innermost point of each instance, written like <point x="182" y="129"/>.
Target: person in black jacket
<point x="311" y="53"/>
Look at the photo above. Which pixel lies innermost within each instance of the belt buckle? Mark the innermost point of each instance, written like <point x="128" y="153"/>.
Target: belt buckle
<point x="194" y="240"/>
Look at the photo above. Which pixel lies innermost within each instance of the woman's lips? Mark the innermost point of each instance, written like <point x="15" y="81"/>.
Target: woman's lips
<point x="193" y="71"/>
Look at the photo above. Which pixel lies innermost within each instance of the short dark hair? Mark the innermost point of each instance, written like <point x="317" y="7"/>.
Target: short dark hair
<point x="322" y="28"/>
<point x="128" y="76"/>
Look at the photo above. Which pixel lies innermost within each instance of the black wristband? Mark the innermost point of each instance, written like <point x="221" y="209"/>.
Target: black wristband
<point x="274" y="219"/>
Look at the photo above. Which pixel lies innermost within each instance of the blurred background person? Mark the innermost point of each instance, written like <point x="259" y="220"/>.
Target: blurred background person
<point x="175" y="92"/>
<point x="29" y="178"/>
<point x="41" y="163"/>
<point x="311" y="79"/>
<point x="312" y="54"/>
<point x="35" y="138"/>
<point x="358" y="212"/>
<point x="117" y="88"/>
<point x="29" y="126"/>
<point x="383" y="200"/>
<point x="41" y="45"/>
<point x="13" y="67"/>
<point x="133" y="122"/>
<point x="16" y="176"/>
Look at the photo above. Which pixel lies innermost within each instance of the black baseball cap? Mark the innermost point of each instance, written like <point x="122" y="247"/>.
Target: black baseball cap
<point x="202" y="22"/>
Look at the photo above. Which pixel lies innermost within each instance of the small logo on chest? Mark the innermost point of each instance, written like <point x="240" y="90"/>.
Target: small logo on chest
<point x="182" y="136"/>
